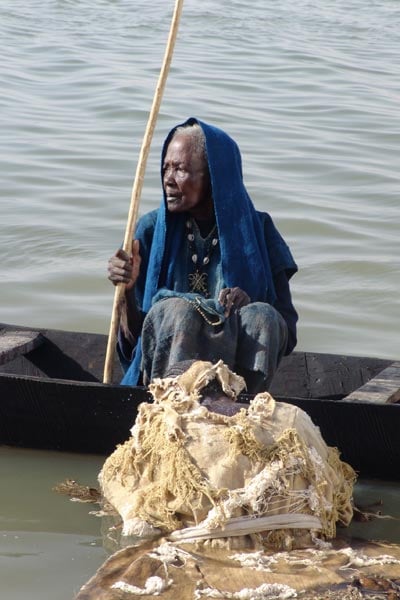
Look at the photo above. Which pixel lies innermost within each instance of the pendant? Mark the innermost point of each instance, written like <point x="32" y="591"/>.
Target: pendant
<point x="198" y="283"/>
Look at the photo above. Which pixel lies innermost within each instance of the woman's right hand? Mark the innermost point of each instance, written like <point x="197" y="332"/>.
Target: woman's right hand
<point x="123" y="268"/>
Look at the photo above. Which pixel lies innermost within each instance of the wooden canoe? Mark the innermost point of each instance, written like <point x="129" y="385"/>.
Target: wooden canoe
<point x="51" y="397"/>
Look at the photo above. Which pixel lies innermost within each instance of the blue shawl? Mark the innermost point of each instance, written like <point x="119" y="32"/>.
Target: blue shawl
<point x="246" y="260"/>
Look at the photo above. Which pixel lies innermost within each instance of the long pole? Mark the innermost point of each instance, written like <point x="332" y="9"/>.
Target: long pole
<point x="137" y="188"/>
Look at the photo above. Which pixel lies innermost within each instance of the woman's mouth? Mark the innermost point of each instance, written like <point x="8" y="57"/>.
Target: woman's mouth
<point x="172" y="199"/>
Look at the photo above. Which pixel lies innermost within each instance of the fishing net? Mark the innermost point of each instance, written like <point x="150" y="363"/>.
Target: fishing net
<point x="263" y="476"/>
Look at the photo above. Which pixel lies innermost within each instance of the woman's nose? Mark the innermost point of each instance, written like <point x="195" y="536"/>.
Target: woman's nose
<point x="169" y="175"/>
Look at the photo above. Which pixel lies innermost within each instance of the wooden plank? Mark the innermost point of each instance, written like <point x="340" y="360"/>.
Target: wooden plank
<point x="14" y="343"/>
<point x="382" y="389"/>
<point x="313" y="375"/>
<point x="63" y="355"/>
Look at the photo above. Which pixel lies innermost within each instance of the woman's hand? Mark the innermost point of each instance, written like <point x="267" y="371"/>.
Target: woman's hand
<point x="123" y="268"/>
<point x="233" y="298"/>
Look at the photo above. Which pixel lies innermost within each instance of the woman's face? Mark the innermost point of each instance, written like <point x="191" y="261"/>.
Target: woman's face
<point x="186" y="179"/>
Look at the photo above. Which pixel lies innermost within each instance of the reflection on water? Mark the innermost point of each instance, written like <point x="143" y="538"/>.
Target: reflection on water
<point x="46" y="565"/>
<point x="309" y="90"/>
<point x="50" y="546"/>
<point x="383" y="499"/>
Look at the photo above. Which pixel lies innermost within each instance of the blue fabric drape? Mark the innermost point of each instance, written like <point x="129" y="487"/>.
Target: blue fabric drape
<point x="242" y="235"/>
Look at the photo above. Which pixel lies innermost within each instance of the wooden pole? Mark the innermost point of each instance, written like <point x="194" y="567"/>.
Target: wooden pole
<point x="137" y="187"/>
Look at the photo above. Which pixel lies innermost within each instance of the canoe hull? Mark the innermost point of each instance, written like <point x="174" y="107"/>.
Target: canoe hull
<point x="93" y="418"/>
<point x="51" y="398"/>
<point x="66" y="415"/>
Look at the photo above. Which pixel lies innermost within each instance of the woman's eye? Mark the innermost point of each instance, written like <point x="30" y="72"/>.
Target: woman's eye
<point x="176" y="171"/>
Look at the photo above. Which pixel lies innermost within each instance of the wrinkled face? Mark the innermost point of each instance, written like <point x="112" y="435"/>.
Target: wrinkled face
<point x="186" y="179"/>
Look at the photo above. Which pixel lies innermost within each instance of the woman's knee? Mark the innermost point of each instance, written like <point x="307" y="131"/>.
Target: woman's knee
<point x="259" y="313"/>
<point x="263" y="322"/>
<point x="169" y="314"/>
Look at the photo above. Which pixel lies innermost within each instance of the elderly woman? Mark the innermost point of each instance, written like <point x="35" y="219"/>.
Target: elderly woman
<point x="209" y="275"/>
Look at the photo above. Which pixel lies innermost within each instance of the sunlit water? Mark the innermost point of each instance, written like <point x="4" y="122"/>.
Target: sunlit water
<point x="49" y="546"/>
<point x="309" y="89"/>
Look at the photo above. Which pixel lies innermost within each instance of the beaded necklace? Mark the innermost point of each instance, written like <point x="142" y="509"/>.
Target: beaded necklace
<point x="198" y="279"/>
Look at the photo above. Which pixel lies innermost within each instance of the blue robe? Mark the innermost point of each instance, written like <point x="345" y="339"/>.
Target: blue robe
<point x="251" y="252"/>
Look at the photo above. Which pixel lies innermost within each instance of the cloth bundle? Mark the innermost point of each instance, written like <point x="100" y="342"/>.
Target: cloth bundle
<point x="262" y="476"/>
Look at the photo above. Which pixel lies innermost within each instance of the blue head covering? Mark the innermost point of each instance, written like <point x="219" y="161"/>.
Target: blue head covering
<point x="244" y="255"/>
<point x="241" y="232"/>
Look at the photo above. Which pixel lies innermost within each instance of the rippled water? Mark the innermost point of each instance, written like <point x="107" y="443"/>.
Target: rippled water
<point x="309" y="89"/>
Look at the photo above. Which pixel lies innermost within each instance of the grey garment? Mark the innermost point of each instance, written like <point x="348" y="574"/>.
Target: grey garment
<point x="251" y="341"/>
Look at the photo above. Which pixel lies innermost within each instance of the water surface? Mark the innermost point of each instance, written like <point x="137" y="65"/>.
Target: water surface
<point x="310" y="90"/>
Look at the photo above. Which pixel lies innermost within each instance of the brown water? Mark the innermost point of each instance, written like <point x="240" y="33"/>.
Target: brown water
<point x="49" y="546"/>
<point x="309" y="89"/>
